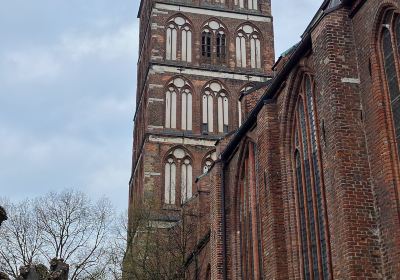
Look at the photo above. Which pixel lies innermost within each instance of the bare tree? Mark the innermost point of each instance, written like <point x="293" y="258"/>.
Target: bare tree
<point x="20" y="240"/>
<point x="76" y="230"/>
<point x="66" y="225"/>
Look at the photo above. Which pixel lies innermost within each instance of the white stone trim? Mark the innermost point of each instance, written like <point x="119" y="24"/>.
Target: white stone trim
<point x="351" y="80"/>
<point x="210" y="12"/>
<point x="181" y="141"/>
<point x="160" y="69"/>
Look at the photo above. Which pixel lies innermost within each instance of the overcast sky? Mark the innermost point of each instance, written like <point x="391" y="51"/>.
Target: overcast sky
<point x="67" y="88"/>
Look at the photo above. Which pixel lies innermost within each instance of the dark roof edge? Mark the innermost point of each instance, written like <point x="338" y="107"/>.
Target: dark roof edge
<point x="302" y="48"/>
<point x="140" y="8"/>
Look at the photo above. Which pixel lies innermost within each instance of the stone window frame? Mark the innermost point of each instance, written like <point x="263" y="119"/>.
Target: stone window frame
<point x="309" y="187"/>
<point x="184" y="86"/>
<point x="215" y="114"/>
<point x="174" y="23"/>
<point x="177" y="155"/>
<point x="243" y="47"/>
<point x="214" y="32"/>
<point x="245" y="4"/>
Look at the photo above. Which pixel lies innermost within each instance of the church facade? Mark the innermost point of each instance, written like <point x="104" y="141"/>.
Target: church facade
<point x="292" y="166"/>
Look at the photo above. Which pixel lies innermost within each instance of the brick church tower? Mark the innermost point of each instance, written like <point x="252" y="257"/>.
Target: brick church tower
<point x="196" y="58"/>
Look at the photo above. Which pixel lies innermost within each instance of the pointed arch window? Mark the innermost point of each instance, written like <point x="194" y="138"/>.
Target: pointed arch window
<point x="179" y="26"/>
<point x="179" y="88"/>
<point x="309" y="187"/>
<point x="390" y="44"/>
<point x="213" y="41"/>
<point x="248" y="41"/>
<point x="170" y="182"/>
<point x="186" y="180"/>
<point x="249" y="217"/>
<point x="215" y="91"/>
<point x="223" y="113"/>
<point x="178" y="177"/>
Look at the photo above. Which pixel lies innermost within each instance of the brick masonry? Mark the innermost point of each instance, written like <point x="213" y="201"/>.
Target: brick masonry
<point x="358" y="153"/>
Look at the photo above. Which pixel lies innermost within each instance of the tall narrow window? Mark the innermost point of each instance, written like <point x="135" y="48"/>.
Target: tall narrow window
<point x="170" y="108"/>
<point x="178" y="89"/>
<point x="310" y="194"/>
<point x="206" y="44"/>
<point x="171" y="48"/>
<point x="255" y="50"/>
<point x="186" y="181"/>
<point x="179" y="26"/>
<point x="186" y="44"/>
<point x="208" y="112"/>
<point x="170" y="182"/>
<point x="215" y="91"/>
<point x="186" y="109"/>
<point x="221" y="45"/>
<point x="213" y="41"/>
<point x="223" y="113"/>
<point x="241" y="55"/>
<point x="250" y="235"/>
<point x="248" y="40"/>
<point x="178" y="159"/>
<point x="391" y="55"/>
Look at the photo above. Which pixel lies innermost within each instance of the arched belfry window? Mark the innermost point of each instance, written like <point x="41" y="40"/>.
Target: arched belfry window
<point x="248" y="46"/>
<point x="309" y="186"/>
<point x="178" y="90"/>
<point x="208" y="161"/>
<point x="179" y="28"/>
<point x="390" y="44"/>
<point x="213" y="42"/>
<point x="249" y="217"/>
<point x="178" y="177"/>
<point x="215" y="92"/>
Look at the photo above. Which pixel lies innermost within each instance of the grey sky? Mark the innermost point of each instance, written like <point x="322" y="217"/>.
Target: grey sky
<point x="67" y="87"/>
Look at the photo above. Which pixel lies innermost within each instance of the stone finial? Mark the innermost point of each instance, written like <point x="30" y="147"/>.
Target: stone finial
<point x="3" y="215"/>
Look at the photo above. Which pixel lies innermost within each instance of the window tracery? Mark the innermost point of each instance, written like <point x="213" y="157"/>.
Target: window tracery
<point x="309" y="186"/>
<point x="179" y="27"/>
<point x="208" y="161"/>
<point x="213" y="42"/>
<point x="215" y="91"/>
<point x="390" y="46"/>
<point x="248" y="42"/>
<point x="178" y="172"/>
<point x="179" y="88"/>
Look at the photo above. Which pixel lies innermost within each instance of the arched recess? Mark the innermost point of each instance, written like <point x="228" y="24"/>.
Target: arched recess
<point x="308" y="182"/>
<point x="178" y="176"/>
<point x="248" y="46"/>
<point x="215" y="108"/>
<point x="214" y="41"/>
<point x="179" y="102"/>
<point x="179" y="38"/>
<point x="248" y="253"/>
